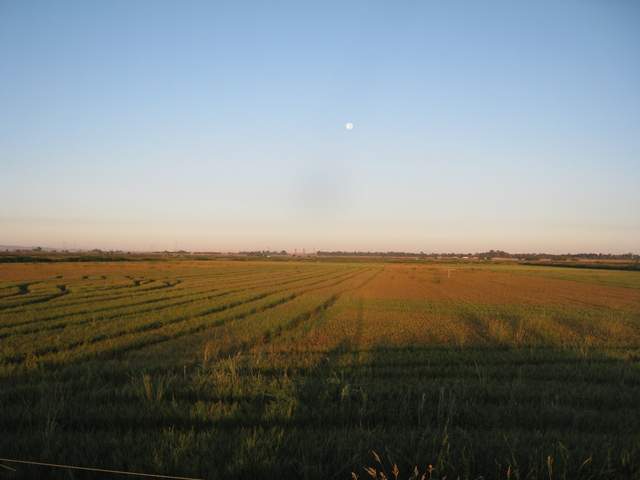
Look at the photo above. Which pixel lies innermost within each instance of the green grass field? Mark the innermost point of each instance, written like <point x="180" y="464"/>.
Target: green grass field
<point x="227" y="369"/>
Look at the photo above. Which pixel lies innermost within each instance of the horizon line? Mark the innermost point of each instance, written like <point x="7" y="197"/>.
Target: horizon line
<point x="302" y="251"/>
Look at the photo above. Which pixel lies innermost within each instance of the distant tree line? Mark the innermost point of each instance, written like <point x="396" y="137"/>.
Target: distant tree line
<point x="486" y="255"/>
<point x="263" y="253"/>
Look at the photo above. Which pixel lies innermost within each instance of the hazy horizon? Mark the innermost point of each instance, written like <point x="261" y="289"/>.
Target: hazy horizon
<point x="221" y="126"/>
<point x="294" y="251"/>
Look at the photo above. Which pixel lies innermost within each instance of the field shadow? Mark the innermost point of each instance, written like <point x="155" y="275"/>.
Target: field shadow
<point x="496" y="411"/>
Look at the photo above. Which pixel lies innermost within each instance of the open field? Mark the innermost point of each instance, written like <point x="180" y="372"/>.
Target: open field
<point x="226" y="369"/>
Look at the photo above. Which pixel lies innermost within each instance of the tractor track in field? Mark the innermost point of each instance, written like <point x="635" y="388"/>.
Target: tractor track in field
<point x="150" y="327"/>
<point x="23" y="289"/>
<point x="179" y="293"/>
<point x="102" y="296"/>
<point x="84" y="299"/>
<point x="298" y="319"/>
<point x="92" y="299"/>
<point x="239" y="316"/>
<point x="88" y="299"/>
<point x="206" y="295"/>
<point x="48" y="297"/>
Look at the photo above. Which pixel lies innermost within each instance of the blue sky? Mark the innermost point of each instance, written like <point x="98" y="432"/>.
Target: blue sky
<point x="220" y="125"/>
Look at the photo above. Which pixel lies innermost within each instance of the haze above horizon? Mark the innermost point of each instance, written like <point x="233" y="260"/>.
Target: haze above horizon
<point x="222" y="126"/>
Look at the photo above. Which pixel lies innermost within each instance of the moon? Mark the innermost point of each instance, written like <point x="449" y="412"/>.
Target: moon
<point x="348" y="126"/>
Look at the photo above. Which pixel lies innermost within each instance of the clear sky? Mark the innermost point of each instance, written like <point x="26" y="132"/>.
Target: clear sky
<point x="221" y="125"/>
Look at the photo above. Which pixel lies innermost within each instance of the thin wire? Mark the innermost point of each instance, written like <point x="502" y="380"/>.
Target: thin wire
<point x="11" y="469"/>
<point x="93" y="469"/>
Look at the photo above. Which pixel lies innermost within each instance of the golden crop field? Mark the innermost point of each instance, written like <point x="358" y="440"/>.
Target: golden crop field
<point x="260" y="369"/>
